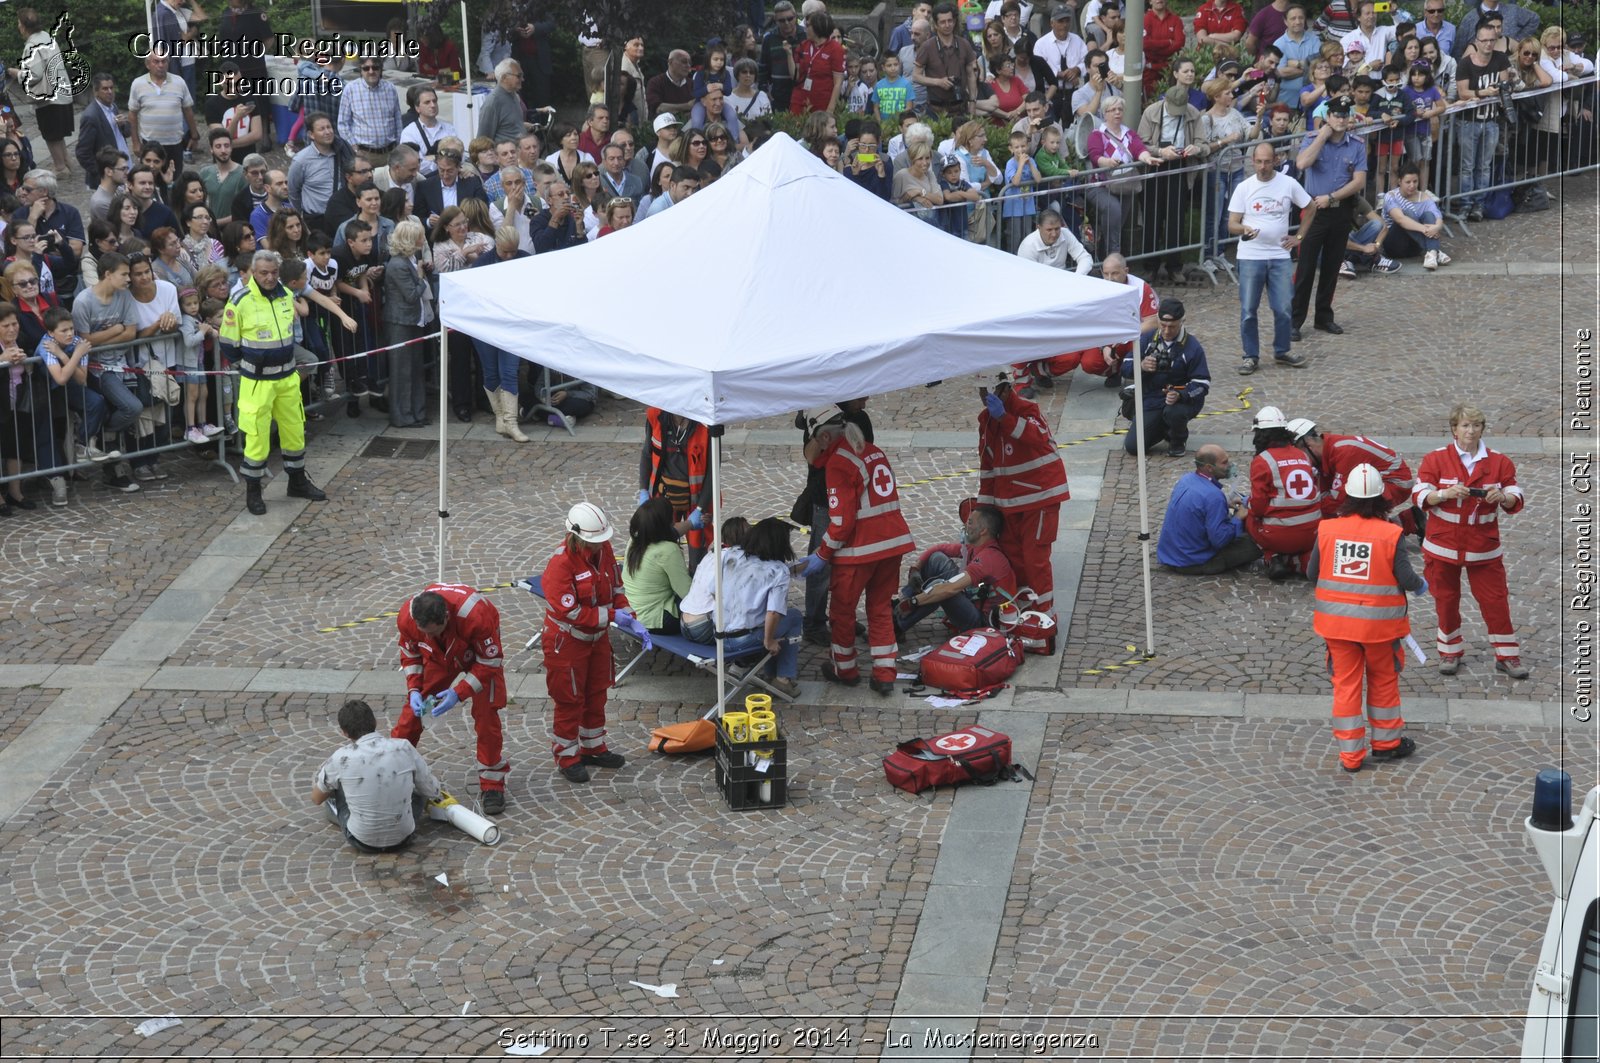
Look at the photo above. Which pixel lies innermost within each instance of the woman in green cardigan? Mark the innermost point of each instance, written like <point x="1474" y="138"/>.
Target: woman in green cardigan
<point x="655" y="576"/>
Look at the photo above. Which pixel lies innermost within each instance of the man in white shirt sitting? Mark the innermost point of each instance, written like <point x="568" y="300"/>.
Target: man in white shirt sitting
<point x="375" y="787"/>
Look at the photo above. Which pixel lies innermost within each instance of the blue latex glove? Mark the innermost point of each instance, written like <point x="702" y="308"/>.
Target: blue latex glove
<point x="644" y="495"/>
<point x="697" y="518"/>
<point x="996" y="407"/>
<point x="637" y="627"/>
<point x="811" y="566"/>
<point x="621" y="616"/>
<point x="1423" y="592"/>
<point x="416" y="702"/>
<point x="445" y="702"/>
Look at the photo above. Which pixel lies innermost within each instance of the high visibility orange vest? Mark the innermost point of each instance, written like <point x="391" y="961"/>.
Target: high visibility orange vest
<point x="1358" y="599"/>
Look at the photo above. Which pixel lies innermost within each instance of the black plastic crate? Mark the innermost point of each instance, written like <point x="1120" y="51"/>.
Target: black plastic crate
<point x="740" y="783"/>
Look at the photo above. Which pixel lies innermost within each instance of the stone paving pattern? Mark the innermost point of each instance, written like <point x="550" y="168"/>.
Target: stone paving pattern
<point x="1168" y="866"/>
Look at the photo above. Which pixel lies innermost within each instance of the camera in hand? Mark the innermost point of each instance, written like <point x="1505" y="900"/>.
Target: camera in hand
<point x="1477" y="492"/>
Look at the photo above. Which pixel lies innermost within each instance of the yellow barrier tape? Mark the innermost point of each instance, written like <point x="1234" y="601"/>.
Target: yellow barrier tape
<point x="1117" y="666"/>
<point x="391" y="615"/>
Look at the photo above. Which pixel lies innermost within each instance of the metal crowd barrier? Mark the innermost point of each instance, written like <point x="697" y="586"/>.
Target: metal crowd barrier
<point x="1150" y="231"/>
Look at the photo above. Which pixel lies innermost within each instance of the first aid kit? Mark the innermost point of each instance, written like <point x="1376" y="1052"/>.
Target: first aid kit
<point x="972" y="754"/>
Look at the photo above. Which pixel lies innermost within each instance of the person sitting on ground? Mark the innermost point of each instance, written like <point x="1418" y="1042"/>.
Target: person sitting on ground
<point x="1415" y="220"/>
<point x="376" y="787"/>
<point x="654" y="575"/>
<point x="755" y="599"/>
<point x="960" y="578"/>
<point x="1203" y="533"/>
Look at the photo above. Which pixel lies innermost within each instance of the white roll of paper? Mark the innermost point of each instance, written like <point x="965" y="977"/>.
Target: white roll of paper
<point x="465" y="820"/>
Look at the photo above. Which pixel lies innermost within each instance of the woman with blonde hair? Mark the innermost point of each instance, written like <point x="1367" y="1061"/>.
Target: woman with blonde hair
<point x="407" y="316"/>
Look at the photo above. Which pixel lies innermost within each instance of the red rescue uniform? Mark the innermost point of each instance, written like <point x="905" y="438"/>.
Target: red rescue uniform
<point x="1285" y="504"/>
<point x="683" y="489"/>
<point x="582" y="592"/>
<point x="1020" y="473"/>
<point x="1465" y="534"/>
<point x="866" y="536"/>
<point x="1361" y="612"/>
<point x="1340" y="456"/>
<point x="1097" y="361"/>
<point x="466" y="657"/>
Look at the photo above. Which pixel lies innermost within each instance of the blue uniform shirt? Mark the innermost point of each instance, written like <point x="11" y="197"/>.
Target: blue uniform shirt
<point x="1336" y="164"/>
<point x="1197" y="524"/>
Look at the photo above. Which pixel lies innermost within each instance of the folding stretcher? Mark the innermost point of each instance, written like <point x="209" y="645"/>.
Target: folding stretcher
<point x="744" y="673"/>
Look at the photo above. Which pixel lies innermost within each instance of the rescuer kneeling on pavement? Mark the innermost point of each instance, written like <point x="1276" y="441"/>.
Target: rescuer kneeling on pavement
<point x="450" y="651"/>
<point x="1362" y="574"/>
<point x="376" y="788"/>
<point x="257" y="336"/>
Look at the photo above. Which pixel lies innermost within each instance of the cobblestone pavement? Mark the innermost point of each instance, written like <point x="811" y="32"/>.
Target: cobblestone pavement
<point x="1176" y="881"/>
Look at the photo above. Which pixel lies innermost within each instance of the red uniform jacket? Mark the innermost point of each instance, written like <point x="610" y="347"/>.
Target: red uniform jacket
<point x="1465" y="532"/>
<point x="1340" y="456"/>
<point x="864" y="519"/>
<point x="1020" y="469"/>
<point x="1285" y="490"/>
<point x="581" y="593"/>
<point x="469" y="646"/>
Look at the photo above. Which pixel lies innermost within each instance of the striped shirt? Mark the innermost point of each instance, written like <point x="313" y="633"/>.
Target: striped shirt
<point x="159" y="108"/>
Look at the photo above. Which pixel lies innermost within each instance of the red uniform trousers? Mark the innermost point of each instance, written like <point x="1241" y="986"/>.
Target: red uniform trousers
<point x="1488" y="582"/>
<point x="1027" y="540"/>
<point x="492" y="764"/>
<point x="880" y="581"/>
<point x="577" y="675"/>
<point x="1379" y="664"/>
<point x="1296" y="540"/>
<point x="1092" y="359"/>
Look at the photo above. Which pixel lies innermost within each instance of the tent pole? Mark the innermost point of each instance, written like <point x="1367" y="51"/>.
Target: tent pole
<point x="466" y="58"/>
<point x="1144" y="502"/>
<point x="715" y="432"/>
<point x="444" y="440"/>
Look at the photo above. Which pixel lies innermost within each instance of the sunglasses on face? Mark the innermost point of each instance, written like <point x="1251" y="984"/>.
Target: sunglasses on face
<point x="27" y="282"/>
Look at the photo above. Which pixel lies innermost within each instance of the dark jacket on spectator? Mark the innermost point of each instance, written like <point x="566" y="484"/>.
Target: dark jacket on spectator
<point x="429" y="197"/>
<point x="553" y="238"/>
<point x="94" y="133"/>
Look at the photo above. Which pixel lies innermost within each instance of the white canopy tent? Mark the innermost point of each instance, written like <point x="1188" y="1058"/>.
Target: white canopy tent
<point x="821" y="292"/>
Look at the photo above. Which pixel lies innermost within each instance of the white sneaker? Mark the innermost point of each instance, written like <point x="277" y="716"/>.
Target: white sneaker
<point x="90" y="452"/>
<point x="1430" y="260"/>
<point x="1444" y="259"/>
<point x="58" y="490"/>
<point x="211" y="430"/>
<point x="195" y="436"/>
<point x="1347" y="268"/>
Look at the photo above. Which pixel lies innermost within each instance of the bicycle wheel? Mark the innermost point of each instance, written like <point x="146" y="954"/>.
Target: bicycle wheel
<point x="861" y="42"/>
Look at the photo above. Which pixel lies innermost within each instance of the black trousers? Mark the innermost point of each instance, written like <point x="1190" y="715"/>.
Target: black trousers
<point x="1241" y="551"/>
<point x="1166" y="197"/>
<point x="1322" y="249"/>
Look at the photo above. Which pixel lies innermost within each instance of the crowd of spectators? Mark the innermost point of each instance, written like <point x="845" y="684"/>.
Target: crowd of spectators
<point x="381" y="195"/>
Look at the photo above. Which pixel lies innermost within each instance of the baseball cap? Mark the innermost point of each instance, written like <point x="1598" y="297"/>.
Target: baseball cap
<point x="1171" y="309"/>
<point x="1340" y="105"/>
<point x="1060" y="11"/>
<point x="1356" y="46"/>
<point x="1176" y="99"/>
<point x="664" y="120"/>
<point x="948" y="160"/>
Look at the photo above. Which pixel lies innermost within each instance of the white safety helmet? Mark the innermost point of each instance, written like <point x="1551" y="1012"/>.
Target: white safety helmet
<point x="1364" y="482"/>
<point x="1270" y="417"/>
<point x="1301" y="427"/>
<point x="589" y="522"/>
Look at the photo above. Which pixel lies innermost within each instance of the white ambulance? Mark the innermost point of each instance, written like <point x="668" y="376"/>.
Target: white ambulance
<point x="1565" y="1002"/>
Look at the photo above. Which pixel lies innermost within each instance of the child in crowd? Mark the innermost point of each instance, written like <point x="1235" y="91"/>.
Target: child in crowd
<point x="897" y="143"/>
<point x="862" y="96"/>
<point x="893" y="90"/>
<point x="1053" y="164"/>
<point x="1424" y="104"/>
<point x="322" y="276"/>
<point x="959" y="196"/>
<point x="1017" y="202"/>
<point x="715" y="71"/>
<point x="211" y="313"/>
<point x="191" y="369"/>
<point x="65" y="355"/>
<point x="1389" y="106"/>
<point x="360" y="270"/>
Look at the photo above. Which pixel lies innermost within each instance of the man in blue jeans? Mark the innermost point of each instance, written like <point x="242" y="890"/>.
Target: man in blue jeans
<point x="1258" y="213"/>
<point x="1478" y="77"/>
<point x="104" y="315"/>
